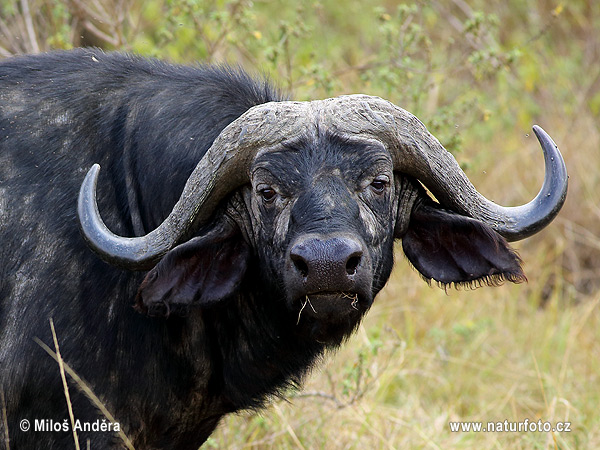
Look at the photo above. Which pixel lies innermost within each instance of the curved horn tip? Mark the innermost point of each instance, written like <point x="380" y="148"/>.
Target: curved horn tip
<point x="555" y="164"/>
<point x="87" y="208"/>
<point x="538" y="213"/>
<point x="91" y="178"/>
<point x="117" y="251"/>
<point x="87" y="194"/>
<point x="544" y="138"/>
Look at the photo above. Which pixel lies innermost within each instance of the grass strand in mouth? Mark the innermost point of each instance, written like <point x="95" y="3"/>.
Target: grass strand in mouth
<point x="307" y="300"/>
<point x="354" y="298"/>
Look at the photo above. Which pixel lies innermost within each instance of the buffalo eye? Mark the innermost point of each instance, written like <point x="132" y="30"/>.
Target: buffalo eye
<point x="379" y="184"/>
<point x="268" y="194"/>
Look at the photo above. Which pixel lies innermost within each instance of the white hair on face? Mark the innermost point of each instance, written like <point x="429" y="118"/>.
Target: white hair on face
<point x="369" y="220"/>
<point x="282" y="224"/>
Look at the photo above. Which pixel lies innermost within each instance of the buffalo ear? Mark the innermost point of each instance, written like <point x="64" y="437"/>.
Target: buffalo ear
<point x="202" y="271"/>
<point x="450" y="248"/>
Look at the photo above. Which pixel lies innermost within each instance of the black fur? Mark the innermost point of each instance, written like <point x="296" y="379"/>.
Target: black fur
<point x="147" y="123"/>
<point x="232" y="328"/>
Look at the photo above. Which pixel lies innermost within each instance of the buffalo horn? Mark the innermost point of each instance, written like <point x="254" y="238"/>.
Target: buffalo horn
<point x="223" y="168"/>
<point x="413" y="149"/>
<point x="417" y="153"/>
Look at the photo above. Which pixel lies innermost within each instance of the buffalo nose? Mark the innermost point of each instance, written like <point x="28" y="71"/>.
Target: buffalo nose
<point x="327" y="264"/>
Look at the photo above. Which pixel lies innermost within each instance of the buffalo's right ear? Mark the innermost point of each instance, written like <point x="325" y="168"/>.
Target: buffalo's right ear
<point x="202" y="271"/>
<point x="454" y="249"/>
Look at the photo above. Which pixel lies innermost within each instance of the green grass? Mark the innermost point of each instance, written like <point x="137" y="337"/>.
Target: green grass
<point x="479" y="74"/>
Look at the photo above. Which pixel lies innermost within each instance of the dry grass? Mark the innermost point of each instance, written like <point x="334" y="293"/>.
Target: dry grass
<point x="483" y="355"/>
<point x="516" y="352"/>
<point x="64" y="369"/>
<point x="6" y="434"/>
<point x="423" y="357"/>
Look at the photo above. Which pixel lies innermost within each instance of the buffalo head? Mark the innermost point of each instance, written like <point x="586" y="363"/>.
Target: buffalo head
<point x="314" y="193"/>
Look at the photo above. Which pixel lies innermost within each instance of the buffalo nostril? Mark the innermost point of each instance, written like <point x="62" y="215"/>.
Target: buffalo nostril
<point x="352" y="264"/>
<point x="300" y="264"/>
<point x="326" y="264"/>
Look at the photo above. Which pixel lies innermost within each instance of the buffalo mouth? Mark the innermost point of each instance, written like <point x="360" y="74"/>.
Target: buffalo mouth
<point x="330" y="317"/>
<point x="330" y="305"/>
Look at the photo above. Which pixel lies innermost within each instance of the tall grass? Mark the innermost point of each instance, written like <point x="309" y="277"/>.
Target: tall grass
<point x="479" y="74"/>
<point x="65" y="369"/>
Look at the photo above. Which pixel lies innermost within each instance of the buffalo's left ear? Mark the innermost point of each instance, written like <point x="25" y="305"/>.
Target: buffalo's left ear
<point x="202" y="271"/>
<point x="450" y="248"/>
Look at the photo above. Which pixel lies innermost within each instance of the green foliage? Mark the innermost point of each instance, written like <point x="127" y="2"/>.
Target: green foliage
<point x="59" y="18"/>
<point x="445" y="64"/>
<point x="407" y="53"/>
<point x="478" y="74"/>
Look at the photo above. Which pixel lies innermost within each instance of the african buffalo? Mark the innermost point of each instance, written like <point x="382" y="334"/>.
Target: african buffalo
<point x="245" y="235"/>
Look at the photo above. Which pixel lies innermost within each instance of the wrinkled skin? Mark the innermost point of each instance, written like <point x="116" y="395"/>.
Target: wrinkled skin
<point x="322" y="235"/>
<point x="329" y="197"/>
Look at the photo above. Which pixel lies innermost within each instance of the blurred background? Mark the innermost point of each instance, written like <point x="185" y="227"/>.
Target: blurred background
<point x="479" y="74"/>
